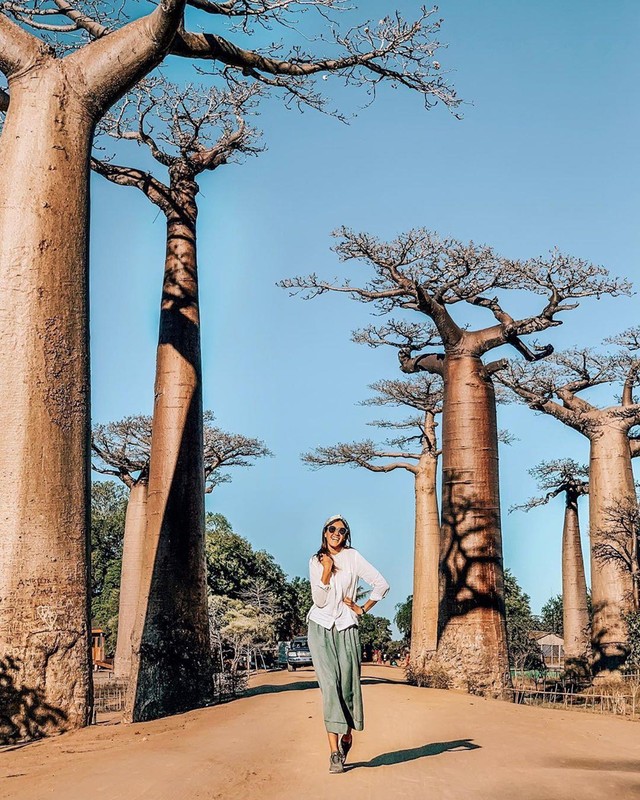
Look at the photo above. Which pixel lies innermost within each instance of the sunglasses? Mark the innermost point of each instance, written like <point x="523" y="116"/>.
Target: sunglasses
<point x="333" y="529"/>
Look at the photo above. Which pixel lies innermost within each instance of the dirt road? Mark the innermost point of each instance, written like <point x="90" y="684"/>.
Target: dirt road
<point x="418" y="743"/>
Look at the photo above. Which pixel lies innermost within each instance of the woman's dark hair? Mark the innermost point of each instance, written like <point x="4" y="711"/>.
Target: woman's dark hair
<point x="323" y="545"/>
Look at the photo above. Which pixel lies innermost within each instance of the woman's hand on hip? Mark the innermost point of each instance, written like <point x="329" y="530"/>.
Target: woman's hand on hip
<point x="353" y="606"/>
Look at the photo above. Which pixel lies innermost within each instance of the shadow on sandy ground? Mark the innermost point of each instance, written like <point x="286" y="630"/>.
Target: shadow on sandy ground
<point x="401" y="756"/>
<point x="600" y="764"/>
<point x="298" y="686"/>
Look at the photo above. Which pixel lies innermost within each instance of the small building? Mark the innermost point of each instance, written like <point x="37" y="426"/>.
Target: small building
<point x="552" y="647"/>
<point x="98" y="657"/>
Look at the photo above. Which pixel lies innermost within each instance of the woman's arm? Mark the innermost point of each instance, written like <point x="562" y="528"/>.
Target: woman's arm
<point x="320" y="579"/>
<point x="359" y="610"/>
<point x="370" y="575"/>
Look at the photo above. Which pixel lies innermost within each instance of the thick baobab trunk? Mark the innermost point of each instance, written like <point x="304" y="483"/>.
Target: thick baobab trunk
<point x="426" y="592"/>
<point x="473" y="640"/>
<point x="575" y="615"/>
<point x="611" y="486"/>
<point x="171" y="664"/>
<point x="44" y="404"/>
<point x="132" y="553"/>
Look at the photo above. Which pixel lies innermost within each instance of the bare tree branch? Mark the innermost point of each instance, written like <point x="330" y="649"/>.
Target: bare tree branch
<point x="536" y="388"/>
<point x="395" y="50"/>
<point x="632" y="368"/>
<point x="358" y="454"/>
<point x="629" y="339"/>
<point x="424" y="393"/>
<point x="228" y="450"/>
<point x="408" y="336"/>
<point x="421" y="271"/>
<point x="566" y="374"/>
<point x="269" y="9"/>
<point x="122" y="448"/>
<point x="80" y="20"/>
<point x="560" y="476"/>
<point x="187" y="130"/>
<point x="156" y="191"/>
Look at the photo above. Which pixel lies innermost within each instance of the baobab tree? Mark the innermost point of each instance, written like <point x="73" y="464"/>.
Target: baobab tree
<point x="568" y="478"/>
<point x="187" y="133"/>
<point x="53" y="99"/>
<point x="123" y="449"/>
<point x="415" y="451"/>
<point x="422" y="272"/>
<point x="556" y="388"/>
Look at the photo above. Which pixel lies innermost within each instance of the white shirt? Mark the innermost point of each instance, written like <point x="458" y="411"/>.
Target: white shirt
<point x="328" y="608"/>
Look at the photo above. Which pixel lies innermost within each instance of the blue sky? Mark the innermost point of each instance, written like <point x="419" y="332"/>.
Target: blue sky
<point x="545" y="156"/>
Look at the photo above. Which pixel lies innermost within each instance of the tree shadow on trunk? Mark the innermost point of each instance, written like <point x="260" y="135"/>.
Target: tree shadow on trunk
<point x="175" y="672"/>
<point x="608" y="656"/>
<point x="23" y="711"/>
<point x="469" y="571"/>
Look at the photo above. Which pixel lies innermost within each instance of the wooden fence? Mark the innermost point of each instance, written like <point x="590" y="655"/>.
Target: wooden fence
<point x="109" y="695"/>
<point x="624" y="703"/>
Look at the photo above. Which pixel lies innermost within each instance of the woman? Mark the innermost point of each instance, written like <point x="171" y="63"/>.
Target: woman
<point x="333" y="632"/>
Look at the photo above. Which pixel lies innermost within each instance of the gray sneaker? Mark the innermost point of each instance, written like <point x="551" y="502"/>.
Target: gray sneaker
<point x="335" y="762"/>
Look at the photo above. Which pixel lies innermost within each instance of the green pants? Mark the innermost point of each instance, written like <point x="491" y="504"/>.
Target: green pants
<point x="336" y="660"/>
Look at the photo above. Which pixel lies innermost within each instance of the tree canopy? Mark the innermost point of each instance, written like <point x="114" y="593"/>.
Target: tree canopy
<point x="237" y="571"/>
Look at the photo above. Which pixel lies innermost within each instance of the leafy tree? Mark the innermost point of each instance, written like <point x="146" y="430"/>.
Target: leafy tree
<point x="238" y="630"/>
<point x="123" y="448"/>
<point x="108" y="510"/>
<point x="104" y="607"/>
<point x="517" y="602"/>
<point x="403" y="618"/>
<point x="236" y="570"/>
<point x="302" y="602"/>
<point x="375" y="633"/>
<point x="229" y="556"/>
<point x="551" y="615"/>
<point x="396" y="649"/>
<point x="524" y="653"/>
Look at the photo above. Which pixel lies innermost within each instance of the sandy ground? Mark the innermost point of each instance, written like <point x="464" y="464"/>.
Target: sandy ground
<point x="418" y="743"/>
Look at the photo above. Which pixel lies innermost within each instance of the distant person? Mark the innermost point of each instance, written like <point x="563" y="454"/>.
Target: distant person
<point x="333" y="632"/>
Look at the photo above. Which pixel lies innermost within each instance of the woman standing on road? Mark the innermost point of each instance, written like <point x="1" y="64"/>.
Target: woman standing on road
<point x="333" y="632"/>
